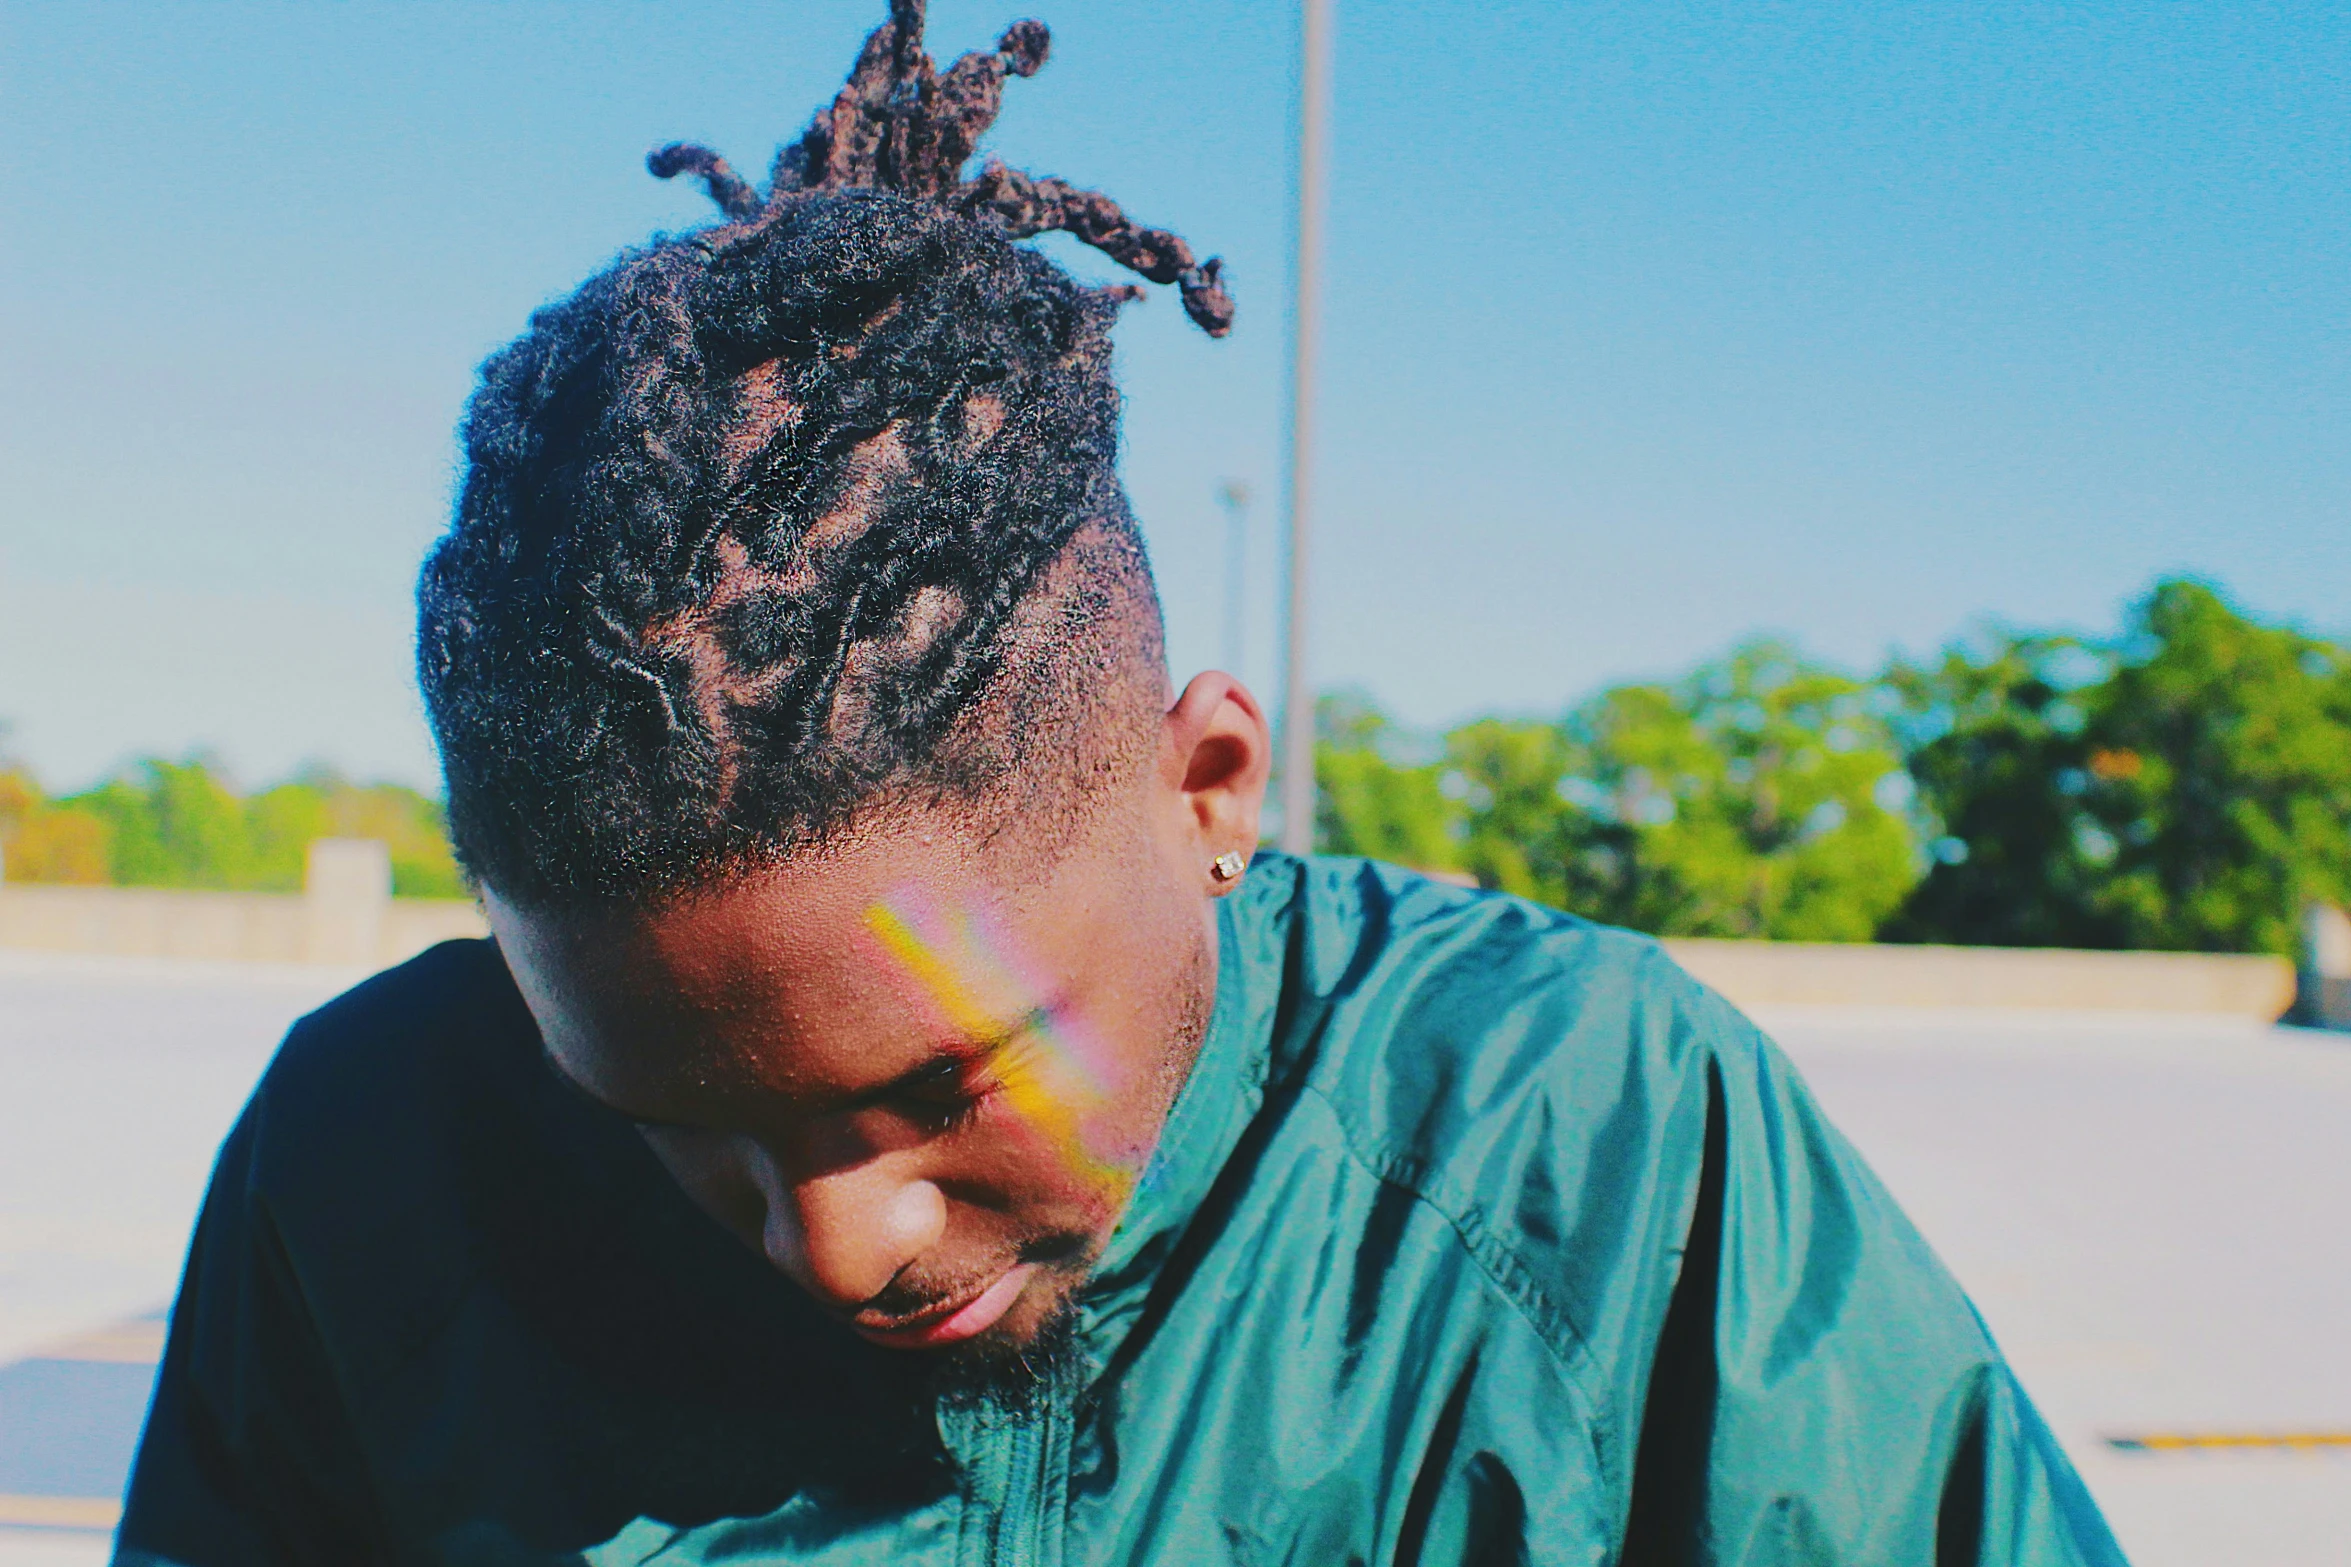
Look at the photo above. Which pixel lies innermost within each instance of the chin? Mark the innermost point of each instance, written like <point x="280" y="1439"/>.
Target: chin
<point x="1033" y="1349"/>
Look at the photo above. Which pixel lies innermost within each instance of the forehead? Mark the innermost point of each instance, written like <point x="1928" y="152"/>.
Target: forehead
<point x="821" y="977"/>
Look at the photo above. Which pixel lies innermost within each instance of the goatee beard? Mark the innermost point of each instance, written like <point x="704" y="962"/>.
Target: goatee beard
<point x="1017" y="1376"/>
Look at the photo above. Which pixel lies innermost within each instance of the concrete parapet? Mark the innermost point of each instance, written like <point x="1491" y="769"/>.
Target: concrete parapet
<point x="346" y="888"/>
<point x="333" y="926"/>
<point x="1803" y="973"/>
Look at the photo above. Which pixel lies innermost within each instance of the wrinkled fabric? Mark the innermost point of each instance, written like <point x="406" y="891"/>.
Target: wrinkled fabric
<point x="1479" y="1234"/>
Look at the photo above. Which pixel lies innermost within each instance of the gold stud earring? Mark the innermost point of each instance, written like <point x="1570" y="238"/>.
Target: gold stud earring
<point x="1228" y="865"/>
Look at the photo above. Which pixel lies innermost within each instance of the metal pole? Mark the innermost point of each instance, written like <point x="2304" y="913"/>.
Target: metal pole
<point x="1233" y="495"/>
<point x="1314" y="102"/>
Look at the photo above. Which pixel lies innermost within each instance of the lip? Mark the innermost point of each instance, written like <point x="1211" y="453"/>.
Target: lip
<point x="955" y="1324"/>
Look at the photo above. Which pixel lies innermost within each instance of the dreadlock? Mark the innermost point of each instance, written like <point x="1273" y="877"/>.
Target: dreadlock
<point x="807" y="510"/>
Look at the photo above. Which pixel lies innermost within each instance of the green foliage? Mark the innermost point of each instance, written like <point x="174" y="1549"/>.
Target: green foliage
<point x="1997" y="741"/>
<point x="1516" y="834"/>
<point x="2194" y="794"/>
<point x="179" y="824"/>
<point x="173" y="824"/>
<point x="1759" y="797"/>
<point x="322" y="805"/>
<point x="2186" y="786"/>
<point x="1374" y="798"/>
<point x="1754" y="798"/>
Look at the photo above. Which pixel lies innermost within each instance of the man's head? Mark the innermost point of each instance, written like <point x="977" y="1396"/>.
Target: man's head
<point x="797" y="673"/>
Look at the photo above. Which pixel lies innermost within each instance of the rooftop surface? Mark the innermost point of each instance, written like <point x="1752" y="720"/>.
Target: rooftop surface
<point x="2148" y="1209"/>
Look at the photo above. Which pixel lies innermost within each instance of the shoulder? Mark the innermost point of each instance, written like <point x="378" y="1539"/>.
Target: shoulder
<point x="369" y="1071"/>
<point x="391" y="1128"/>
<point x="1442" y="1011"/>
<point x="452" y="988"/>
<point x="1542" y="1082"/>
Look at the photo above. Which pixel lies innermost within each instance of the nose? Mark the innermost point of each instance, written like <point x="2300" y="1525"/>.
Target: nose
<point x="845" y="1234"/>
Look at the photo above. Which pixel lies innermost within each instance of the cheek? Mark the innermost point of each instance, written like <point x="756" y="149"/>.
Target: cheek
<point x="1139" y="1024"/>
<point x="1043" y="1165"/>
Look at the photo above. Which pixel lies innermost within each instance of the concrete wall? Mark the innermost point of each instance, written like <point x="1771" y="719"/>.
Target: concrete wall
<point x="346" y="915"/>
<point x="1798" y="973"/>
<point x="225" y="927"/>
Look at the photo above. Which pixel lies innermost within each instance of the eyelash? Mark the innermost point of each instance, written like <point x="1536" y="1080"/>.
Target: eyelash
<point x="944" y="1116"/>
<point x="941" y="1115"/>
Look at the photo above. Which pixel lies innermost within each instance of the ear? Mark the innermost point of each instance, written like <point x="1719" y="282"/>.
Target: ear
<point x="1216" y="752"/>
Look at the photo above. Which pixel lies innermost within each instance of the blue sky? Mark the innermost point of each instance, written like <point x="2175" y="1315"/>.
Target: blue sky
<point x="1649" y="326"/>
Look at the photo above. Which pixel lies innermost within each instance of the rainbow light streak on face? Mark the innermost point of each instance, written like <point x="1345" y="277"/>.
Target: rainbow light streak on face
<point x="1055" y="1076"/>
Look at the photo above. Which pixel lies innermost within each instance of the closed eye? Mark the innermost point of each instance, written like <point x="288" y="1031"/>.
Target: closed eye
<point x="936" y="1082"/>
<point x="948" y="1091"/>
<point x="946" y="1096"/>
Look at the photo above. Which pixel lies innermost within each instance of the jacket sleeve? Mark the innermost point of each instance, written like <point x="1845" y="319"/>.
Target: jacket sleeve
<point x="248" y="1457"/>
<point x="1821" y="1390"/>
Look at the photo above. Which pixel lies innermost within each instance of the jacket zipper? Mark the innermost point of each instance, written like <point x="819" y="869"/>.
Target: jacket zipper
<point x="1016" y="1485"/>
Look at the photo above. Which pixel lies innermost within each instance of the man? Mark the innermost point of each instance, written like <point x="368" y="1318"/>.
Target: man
<point x="895" y="1122"/>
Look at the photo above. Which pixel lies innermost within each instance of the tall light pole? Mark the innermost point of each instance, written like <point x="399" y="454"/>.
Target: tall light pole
<point x="1233" y="496"/>
<point x="1314" y="110"/>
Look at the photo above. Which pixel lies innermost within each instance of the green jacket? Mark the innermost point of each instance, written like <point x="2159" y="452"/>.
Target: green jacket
<point x="1478" y="1235"/>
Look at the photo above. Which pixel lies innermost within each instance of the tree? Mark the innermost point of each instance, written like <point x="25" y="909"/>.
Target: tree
<point x="179" y="824"/>
<point x="1518" y="833"/>
<point x="1761" y="796"/>
<point x="41" y="840"/>
<point x="322" y="804"/>
<point x="2195" y="795"/>
<point x="2219" y="777"/>
<point x="1996" y="741"/>
<point x="173" y="824"/>
<point x="1375" y="795"/>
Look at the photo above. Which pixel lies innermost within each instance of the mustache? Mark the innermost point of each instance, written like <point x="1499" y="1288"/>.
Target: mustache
<point x="1065" y="1251"/>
